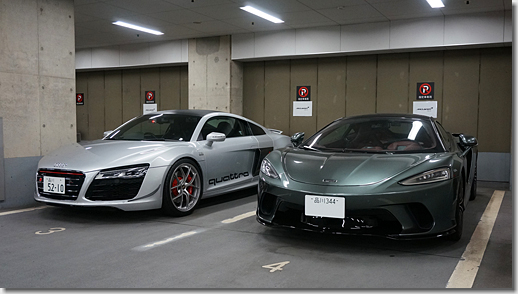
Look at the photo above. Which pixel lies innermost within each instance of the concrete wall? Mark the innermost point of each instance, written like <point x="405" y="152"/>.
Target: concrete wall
<point x="215" y="81"/>
<point x="37" y="86"/>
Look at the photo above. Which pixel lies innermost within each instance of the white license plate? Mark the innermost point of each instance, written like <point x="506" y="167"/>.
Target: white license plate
<point x="324" y="206"/>
<point x="54" y="185"/>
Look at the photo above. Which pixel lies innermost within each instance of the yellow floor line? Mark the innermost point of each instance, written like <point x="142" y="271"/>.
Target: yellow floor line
<point x="466" y="270"/>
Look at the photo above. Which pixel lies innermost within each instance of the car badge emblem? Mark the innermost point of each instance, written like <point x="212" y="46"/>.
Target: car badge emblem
<point x="329" y="181"/>
<point x="60" y="164"/>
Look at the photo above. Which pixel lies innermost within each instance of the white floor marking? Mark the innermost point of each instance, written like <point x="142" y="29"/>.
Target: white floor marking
<point x="190" y="233"/>
<point x="168" y="240"/>
<point x="239" y="217"/>
<point x="21" y="210"/>
<point x="466" y="270"/>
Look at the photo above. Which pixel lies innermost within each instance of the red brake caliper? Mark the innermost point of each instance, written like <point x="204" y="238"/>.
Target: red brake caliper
<point x="175" y="183"/>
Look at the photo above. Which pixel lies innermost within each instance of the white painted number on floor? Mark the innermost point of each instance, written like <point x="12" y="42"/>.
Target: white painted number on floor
<point x="50" y="231"/>
<point x="276" y="266"/>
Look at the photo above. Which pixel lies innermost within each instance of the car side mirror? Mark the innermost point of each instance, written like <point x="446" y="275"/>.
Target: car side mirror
<point x="215" y="137"/>
<point x="468" y="140"/>
<point x="297" y="139"/>
<point x="106" y="133"/>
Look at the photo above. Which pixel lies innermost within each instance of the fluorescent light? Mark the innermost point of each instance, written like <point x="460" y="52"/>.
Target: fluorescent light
<point x="435" y="3"/>
<point x="261" y="14"/>
<point x="138" y="28"/>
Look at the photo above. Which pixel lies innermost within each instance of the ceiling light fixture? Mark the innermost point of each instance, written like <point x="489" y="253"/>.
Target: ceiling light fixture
<point x="435" y="3"/>
<point x="261" y="14"/>
<point x="138" y="28"/>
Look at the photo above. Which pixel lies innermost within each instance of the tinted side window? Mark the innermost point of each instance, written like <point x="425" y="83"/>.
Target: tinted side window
<point x="445" y="136"/>
<point x="256" y="130"/>
<point x="229" y="126"/>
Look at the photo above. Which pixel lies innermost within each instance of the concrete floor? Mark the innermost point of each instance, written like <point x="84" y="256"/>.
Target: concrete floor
<point x="52" y="247"/>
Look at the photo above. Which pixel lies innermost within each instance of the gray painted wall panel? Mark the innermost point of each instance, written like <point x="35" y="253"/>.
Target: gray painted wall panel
<point x="469" y="29"/>
<point x="105" y="57"/>
<point x="84" y="58"/>
<point x="2" y="167"/>
<point x="243" y="45"/>
<point x="278" y="43"/>
<point x="494" y="166"/>
<point x="155" y="53"/>
<point x="134" y="54"/>
<point x="365" y="37"/>
<point x="409" y="33"/>
<point x="317" y="40"/>
<point x="165" y="52"/>
<point x="508" y="26"/>
<point x="20" y="182"/>
<point x="474" y="30"/>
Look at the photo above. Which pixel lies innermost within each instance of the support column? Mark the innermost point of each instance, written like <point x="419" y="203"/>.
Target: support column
<point x="215" y="81"/>
<point x="37" y="89"/>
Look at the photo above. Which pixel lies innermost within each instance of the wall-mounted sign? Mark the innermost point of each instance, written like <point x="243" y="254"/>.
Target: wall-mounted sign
<point x="303" y="93"/>
<point x="148" y="108"/>
<point x="80" y="99"/>
<point x="150" y="97"/>
<point x="425" y="90"/>
<point x="428" y="108"/>
<point x="302" y="108"/>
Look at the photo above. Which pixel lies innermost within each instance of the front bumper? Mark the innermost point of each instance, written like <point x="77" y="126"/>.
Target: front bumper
<point x="84" y="193"/>
<point x="392" y="211"/>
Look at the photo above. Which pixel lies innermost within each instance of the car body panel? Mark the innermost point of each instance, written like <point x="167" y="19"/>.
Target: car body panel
<point x="370" y="183"/>
<point x="228" y="164"/>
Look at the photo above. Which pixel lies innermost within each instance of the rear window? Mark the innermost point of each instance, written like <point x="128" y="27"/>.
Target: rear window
<point x="256" y="130"/>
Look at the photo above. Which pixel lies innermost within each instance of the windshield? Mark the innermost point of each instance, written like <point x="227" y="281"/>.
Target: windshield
<point x="161" y="127"/>
<point x="401" y="135"/>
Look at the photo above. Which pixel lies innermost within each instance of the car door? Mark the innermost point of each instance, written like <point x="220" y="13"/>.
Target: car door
<point x="228" y="163"/>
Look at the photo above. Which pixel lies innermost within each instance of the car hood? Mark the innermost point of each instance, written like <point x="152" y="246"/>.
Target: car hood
<point x="103" y="154"/>
<point x="348" y="169"/>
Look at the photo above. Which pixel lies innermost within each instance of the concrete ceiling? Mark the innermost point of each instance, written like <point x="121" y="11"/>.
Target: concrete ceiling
<point x="183" y="19"/>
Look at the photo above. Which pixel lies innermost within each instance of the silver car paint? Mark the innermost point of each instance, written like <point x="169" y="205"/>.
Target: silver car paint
<point x="213" y="161"/>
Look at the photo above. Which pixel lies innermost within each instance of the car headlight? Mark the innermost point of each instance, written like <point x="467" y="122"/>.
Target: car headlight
<point x="431" y="176"/>
<point x="127" y="172"/>
<point x="268" y="170"/>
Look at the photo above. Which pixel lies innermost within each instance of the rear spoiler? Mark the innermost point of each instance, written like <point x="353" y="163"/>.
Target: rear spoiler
<point x="275" y="131"/>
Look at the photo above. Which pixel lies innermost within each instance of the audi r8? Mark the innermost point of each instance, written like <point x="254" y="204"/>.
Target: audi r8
<point x="391" y="175"/>
<point x="167" y="159"/>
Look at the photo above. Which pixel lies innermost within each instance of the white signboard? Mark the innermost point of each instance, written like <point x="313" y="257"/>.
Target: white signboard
<point x="302" y="108"/>
<point x="428" y="108"/>
<point x="148" y="108"/>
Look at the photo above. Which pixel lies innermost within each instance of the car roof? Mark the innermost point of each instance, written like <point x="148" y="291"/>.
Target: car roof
<point x="193" y="112"/>
<point x="391" y="115"/>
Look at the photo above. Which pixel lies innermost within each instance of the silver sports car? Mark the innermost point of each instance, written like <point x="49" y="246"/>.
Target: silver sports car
<point x="167" y="159"/>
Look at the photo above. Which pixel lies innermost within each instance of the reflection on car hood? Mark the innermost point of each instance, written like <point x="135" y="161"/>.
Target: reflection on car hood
<point x="105" y="154"/>
<point x="348" y="169"/>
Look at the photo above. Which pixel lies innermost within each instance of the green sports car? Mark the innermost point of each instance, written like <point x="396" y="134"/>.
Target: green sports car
<point x="392" y="175"/>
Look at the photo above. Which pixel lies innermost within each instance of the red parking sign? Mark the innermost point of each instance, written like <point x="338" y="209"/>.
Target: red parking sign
<point x="150" y="97"/>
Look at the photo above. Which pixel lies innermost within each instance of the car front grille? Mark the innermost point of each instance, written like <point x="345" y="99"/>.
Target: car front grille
<point x="113" y="189"/>
<point x="73" y="183"/>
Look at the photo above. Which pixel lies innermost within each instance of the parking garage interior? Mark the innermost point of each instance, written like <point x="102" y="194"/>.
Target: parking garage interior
<point x="356" y="57"/>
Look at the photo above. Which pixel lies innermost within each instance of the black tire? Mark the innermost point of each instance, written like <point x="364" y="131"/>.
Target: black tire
<point x="182" y="188"/>
<point x="459" y="213"/>
<point x="473" y="193"/>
